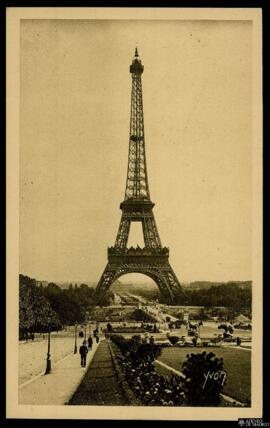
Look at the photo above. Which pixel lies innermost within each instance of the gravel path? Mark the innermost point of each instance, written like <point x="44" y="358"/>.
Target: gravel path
<point x="57" y="387"/>
<point x="32" y="355"/>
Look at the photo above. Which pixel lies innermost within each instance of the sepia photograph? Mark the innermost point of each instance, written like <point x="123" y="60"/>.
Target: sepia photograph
<point x="135" y="225"/>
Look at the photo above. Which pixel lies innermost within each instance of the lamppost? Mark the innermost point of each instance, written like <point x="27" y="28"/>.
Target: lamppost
<point x="48" y="361"/>
<point x="85" y="325"/>
<point x="75" y="345"/>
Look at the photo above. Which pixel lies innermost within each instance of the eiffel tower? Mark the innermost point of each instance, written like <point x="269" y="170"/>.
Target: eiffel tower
<point x="153" y="259"/>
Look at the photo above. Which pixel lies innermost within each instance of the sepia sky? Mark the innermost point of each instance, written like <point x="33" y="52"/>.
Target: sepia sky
<point x="75" y="108"/>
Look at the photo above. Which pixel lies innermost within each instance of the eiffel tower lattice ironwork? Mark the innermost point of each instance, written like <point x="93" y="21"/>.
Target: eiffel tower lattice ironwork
<point x="153" y="259"/>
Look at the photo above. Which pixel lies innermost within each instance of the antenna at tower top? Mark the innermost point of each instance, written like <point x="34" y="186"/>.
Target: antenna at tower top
<point x="136" y="66"/>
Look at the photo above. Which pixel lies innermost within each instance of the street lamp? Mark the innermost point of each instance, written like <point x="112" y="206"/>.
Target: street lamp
<point x="75" y="346"/>
<point x="48" y="361"/>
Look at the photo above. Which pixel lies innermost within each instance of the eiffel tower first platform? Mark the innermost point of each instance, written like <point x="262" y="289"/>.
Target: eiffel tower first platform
<point x="153" y="259"/>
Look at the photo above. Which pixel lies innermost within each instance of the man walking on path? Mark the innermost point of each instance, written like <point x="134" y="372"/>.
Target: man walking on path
<point x="83" y="353"/>
<point x="90" y="343"/>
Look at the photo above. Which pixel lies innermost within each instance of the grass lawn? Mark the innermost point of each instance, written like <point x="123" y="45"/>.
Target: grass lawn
<point x="237" y="363"/>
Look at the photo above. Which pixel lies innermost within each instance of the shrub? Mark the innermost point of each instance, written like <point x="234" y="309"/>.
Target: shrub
<point x="173" y="339"/>
<point x="135" y="349"/>
<point x="149" y="386"/>
<point x="202" y="390"/>
<point x="137" y="338"/>
<point x="226" y="327"/>
<point x="121" y="342"/>
<point x="140" y="315"/>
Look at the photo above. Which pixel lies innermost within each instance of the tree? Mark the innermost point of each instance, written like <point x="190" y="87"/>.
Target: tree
<point x="229" y="295"/>
<point x="180" y="316"/>
<point x="204" y="379"/>
<point x="152" y="340"/>
<point x="226" y="327"/>
<point x="66" y="303"/>
<point x="203" y="315"/>
<point x="35" y="311"/>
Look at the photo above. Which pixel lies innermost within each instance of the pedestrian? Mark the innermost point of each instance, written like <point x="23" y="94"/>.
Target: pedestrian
<point x="90" y="342"/>
<point x="97" y="338"/>
<point x="83" y="353"/>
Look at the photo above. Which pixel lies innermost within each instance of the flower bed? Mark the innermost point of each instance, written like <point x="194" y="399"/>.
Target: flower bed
<point x="137" y="362"/>
<point x="152" y="388"/>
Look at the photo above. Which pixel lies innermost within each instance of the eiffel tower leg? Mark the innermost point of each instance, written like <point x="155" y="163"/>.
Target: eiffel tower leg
<point x="172" y="282"/>
<point x="150" y="232"/>
<point x="123" y="232"/>
<point x="105" y="282"/>
<point x="163" y="287"/>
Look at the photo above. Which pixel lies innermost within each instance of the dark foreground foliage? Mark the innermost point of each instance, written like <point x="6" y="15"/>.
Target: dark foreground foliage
<point x="149" y="386"/>
<point x="202" y="390"/>
<point x="154" y="389"/>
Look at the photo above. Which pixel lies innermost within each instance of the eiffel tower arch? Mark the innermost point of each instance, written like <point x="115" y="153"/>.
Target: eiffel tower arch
<point x="153" y="259"/>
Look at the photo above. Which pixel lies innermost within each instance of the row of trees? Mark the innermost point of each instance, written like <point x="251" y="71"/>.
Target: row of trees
<point x="50" y="307"/>
<point x="43" y="306"/>
<point x="35" y="311"/>
<point x="230" y="295"/>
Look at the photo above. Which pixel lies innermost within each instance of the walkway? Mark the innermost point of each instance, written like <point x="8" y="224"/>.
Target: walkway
<point x="100" y="386"/>
<point x="32" y="355"/>
<point x="57" y="387"/>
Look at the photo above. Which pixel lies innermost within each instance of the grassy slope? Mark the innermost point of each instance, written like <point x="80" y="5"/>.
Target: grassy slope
<point x="237" y="363"/>
<point x="100" y="385"/>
